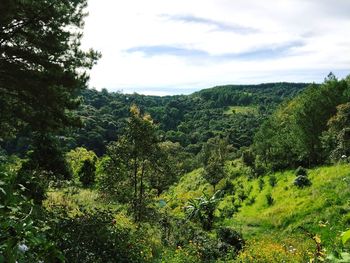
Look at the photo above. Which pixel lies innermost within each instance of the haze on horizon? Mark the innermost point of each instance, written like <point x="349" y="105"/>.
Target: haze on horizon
<point x="163" y="47"/>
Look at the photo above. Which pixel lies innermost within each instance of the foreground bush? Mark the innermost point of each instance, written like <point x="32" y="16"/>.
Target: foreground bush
<point x="99" y="236"/>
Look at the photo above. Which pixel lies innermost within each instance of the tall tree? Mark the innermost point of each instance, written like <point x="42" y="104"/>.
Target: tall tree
<point x="133" y="159"/>
<point x="42" y="66"/>
<point x="214" y="155"/>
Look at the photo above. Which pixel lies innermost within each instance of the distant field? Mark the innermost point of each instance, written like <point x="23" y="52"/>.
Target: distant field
<point x="241" y="109"/>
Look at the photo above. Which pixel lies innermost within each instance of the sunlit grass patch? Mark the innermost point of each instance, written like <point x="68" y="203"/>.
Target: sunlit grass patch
<point x="241" y="109"/>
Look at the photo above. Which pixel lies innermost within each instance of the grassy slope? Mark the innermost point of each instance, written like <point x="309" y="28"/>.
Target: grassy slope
<point x="322" y="209"/>
<point x="241" y="109"/>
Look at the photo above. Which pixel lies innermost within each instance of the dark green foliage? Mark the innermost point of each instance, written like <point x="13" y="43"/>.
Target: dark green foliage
<point x="251" y="200"/>
<point x="230" y="237"/>
<point x="87" y="172"/>
<point x="133" y="162"/>
<point x="261" y="184"/>
<point x="336" y="140"/>
<point x="42" y="66"/>
<point x="202" y="209"/>
<point x="269" y="199"/>
<point x="292" y="135"/>
<point x="272" y="180"/>
<point x="302" y="181"/>
<point x="34" y="184"/>
<point x="113" y="180"/>
<point x="189" y="120"/>
<point x="248" y="158"/>
<point x="22" y="224"/>
<point x="300" y="171"/>
<point x="45" y="163"/>
<point x="95" y="237"/>
<point x="214" y="155"/>
<point x="46" y="155"/>
<point x="228" y="188"/>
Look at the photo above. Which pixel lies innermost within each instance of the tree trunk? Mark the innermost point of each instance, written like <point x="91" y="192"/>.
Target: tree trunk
<point x="135" y="187"/>
<point x="141" y="191"/>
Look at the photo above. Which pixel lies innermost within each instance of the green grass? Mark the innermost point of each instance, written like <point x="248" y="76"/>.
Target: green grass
<point x="322" y="209"/>
<point x="241" y="109"/>
<point x="76" y="200"/>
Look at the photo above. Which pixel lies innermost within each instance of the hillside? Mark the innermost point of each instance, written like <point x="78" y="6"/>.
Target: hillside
<point x="319" y="210"/>
<point x="188" y="119"/>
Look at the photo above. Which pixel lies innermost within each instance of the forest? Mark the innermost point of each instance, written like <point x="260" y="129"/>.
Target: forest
<point x="233" y="173"/>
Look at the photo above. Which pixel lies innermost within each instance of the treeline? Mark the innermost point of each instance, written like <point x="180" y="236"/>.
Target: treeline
<point x="309" y="130"/>
<point x="189" y="120"/>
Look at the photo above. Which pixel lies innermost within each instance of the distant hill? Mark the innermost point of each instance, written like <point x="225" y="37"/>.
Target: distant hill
<point x="188" y="119"/>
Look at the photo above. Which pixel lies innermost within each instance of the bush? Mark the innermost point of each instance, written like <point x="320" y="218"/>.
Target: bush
<point x="272" y="180"/>
<point x="231" y="240"/>
<point x="251" y="200"/>
<point x="300" y="171"/>
<point x="99" y="236"/>
<point x="302" y="181"/>
<point x="87" y="172"/>
<point x="261" y="184"/>
<point x="228" y="187"/>
<point x="23" y="228"/>
<point x="269" y="199"/>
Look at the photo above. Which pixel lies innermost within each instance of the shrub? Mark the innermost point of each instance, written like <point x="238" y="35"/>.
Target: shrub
<point x="272" y="180"/>
<point x="261" y="183"/>
<point x="251" y="200"/>
<point x="99" y="236"/>
<point x="259" y="169"/>
<point x="87" y="172"/>
<point x="302" y="181"/>
<point x="228" y="187"/>
<point x="230" y="240"/>
<point x="269" y="199"/>
<point x="242" y="195"/>
<point x="300" y="171"/>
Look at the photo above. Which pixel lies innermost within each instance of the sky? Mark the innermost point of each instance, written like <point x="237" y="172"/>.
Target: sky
<point x="166" y="47"/>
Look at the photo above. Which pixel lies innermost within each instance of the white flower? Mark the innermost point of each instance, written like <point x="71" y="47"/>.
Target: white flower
<point x="343" y="156"/>
<point x="23" y="248"/>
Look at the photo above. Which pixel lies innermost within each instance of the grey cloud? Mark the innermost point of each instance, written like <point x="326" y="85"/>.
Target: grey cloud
<point x="217" y="25"/>
<point x="263" y="53"/>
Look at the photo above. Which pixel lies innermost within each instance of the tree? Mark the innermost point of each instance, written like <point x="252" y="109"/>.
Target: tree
<point x="76" y="158"/>
<point x="113" y="172"/>
<point x="214" y="156"/>
<point x="133" y="159"/>
<point x="336" y="139"/>
<point x="292" y="135"/>
<point x="87" y="172"/>
<point x="42" y="66"/>
<point x="170" y="162"/>
<point x="142" y="140"/>
<point x="202" y="209"/>
<point x="44" y="162"/>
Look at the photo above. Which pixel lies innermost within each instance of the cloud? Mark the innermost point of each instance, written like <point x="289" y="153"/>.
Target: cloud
<point x="263" y="53"/>
<point x="172" y="47"/>
<point x="217" y="25"/>
<point x="150" y="51"/>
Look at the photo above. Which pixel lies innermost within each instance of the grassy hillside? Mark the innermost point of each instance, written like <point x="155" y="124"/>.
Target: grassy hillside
<point x="295" y="216"/>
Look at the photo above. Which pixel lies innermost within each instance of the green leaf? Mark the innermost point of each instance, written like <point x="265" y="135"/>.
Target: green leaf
<point x="345" y="237"/>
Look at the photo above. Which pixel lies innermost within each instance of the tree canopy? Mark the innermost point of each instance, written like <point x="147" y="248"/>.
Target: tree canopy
<point x="42" y="66"/>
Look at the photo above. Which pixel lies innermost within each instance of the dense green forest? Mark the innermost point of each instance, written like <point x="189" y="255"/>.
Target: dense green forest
<point x="235" y="173"/>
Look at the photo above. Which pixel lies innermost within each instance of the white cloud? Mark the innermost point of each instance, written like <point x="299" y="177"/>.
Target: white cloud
<point x="318" y="29"/>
